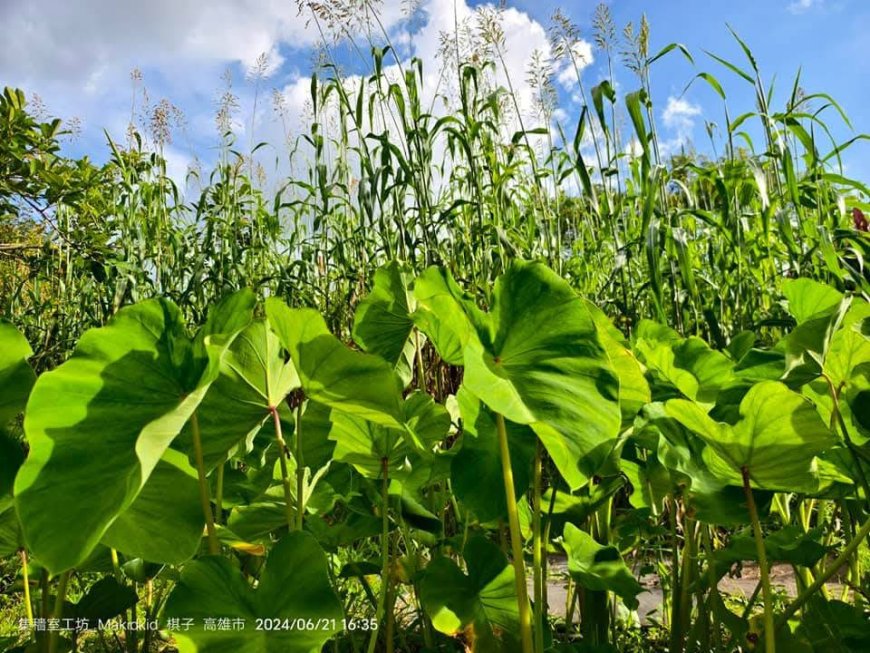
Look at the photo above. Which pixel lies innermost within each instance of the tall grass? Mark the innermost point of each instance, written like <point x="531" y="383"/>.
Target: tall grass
<point x="454" y="166"/>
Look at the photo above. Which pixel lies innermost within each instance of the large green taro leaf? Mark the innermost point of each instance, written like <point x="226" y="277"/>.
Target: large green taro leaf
<point x="689" y="364"/>
<point x="16" y="381"/>
<point x="10" y="529"/>
<point x="846" y="368"/>
<point x="332" y="374"/>
<point x="254" y="378"/>
<point x="634" y="391"/>
<point x="164" y="523"/>
<point x="16" y="375"/>
<point x="483" y="603"/>
<point x="104" y="600"/>
<point x="257" y="521"/>
<point x="809" y="300"/>
<point x="681" y="456"/>
<point x="99" y="424"/>
<point x="599" y="568"/>
<point x="834" y="626"/>
<point x="294" y="595"/>
<point x="775" y="440"/>
<point x="475" y="472"/>
<point x="826" y="341"/>
<point x="365" y="445"/>
<point x="443" y="313"/>
<point x="849" y="348"/>
<point x="382" y="322"/>
<point x="537" y="359"/>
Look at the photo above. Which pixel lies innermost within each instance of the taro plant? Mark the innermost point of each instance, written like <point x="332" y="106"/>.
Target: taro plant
<point x="536" y="359"/>
<point x="257" y="479"/>
<point x="421" y="438"/>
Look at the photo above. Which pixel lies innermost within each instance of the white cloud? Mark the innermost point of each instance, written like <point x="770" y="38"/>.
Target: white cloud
<point x="679" y="117"/>
<point x="680" y="114"/>
<point x="79" y="58"/>
<point x="78" y="55"/>
<point x="177" y="165"/>
<point x="69" y="41"/>
<point x="801" y="6"/>
<point x="582" y="58"/>
<point x="522" y="37"/>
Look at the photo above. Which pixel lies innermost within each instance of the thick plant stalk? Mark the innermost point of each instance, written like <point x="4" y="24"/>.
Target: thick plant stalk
<point x="116" y="566"/>
<point x="855" y="561"/>
<point x="54" y="635"/>
<point x="42" y="636"/>
<point x="119" y="577"/>
<point x="214" y="547"/>
<point x="300" y="472"/>
<point x="219" y="494"/>
<point x="769" y="628"/>
<point x="688" y="574"/>
<point x="570" y="604"/>
<point x="683" y="605"/>
<point x="516" y="538"/>
<point x="28" y="606"/>
<point x="803" y="575"/>
<point x="823" y="577"/>
<point x="545" y="595"/>
<point x="537" y="554"/>
<point x="595" y="605"/>
<point x="385" y="559"/>
<point x="285" y="476"/>
<point x="714" y="588"/>
<point x="672" y="598"/>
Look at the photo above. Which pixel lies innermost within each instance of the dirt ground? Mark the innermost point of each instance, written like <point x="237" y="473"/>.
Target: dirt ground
<point x="781" y="576"/>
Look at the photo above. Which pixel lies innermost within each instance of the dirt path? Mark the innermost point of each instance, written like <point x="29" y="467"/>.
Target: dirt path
<point x="781" y="576"/>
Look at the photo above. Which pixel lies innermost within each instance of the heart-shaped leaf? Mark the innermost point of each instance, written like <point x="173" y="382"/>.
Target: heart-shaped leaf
<point x="790" y="544"/>
<point x="483" y="602"/>
<point x="776" y="439"/>
<point x="100" y="423"/>
<point x="165" y="521"/>
<point x="475" y="472"/>
<point x="682" y="455"/>
<point x="104" y="600"/>
<point x="443" y="313"/>
<point x="294" y="595"/>
<point x="254" y="378"/>
<point x="353" y="382"/>
<point x="809" y="299"/>
<point x="366" y="445"/>
<point x="537" y="359"/>
<point x="689" y="364"/>
<point x="846" y="369"/>
<point x="634" y="391"/>
<point x="382" y="323"/>
<point x="599" y="568"/>
<point x="16" y="375"/>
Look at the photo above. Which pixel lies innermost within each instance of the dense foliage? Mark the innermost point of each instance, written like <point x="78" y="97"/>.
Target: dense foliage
<point x="369" y="408"/>
<point x="293" y="450"/>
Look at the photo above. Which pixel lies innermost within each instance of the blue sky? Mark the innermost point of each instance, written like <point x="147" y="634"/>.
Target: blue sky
<point x="78" y="59"/>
